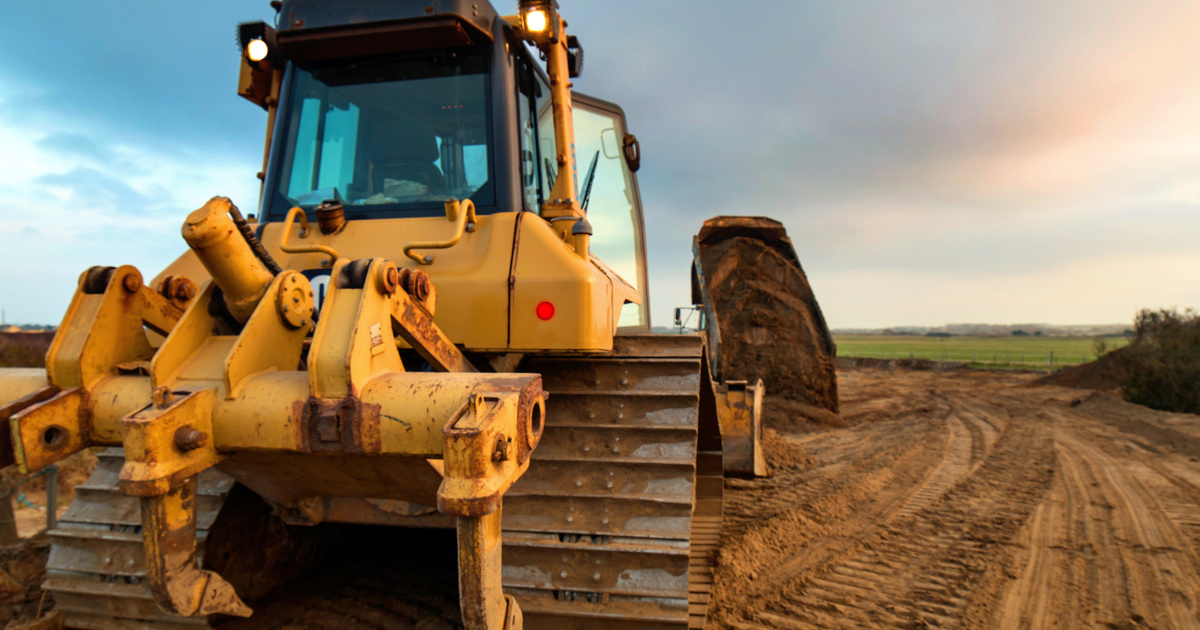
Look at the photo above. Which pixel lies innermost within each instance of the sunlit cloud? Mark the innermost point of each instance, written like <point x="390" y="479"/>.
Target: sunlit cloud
<point x="80" y="194"/>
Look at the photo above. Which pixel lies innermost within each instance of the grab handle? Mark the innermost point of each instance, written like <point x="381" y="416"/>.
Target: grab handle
<point x="462" y="214"/>
<point x="304" y="230"/>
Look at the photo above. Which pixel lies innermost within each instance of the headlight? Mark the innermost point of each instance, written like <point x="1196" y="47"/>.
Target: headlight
<point x="257" y="50"/>
<point x="535" y="21"/>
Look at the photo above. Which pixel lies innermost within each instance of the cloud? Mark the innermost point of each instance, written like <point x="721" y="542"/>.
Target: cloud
<point x="75" y="145"/>
<point x="933" y="160"/>
<point x="85" y="192"/>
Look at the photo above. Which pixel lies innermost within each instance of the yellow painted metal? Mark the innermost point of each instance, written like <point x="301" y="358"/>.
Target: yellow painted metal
<point x="49" y="431"/>
<point x="462" y="215"/>
<point x="409" y="410"/>
<point x="353" y="341"/>
<point x="104" y="327"/>
<point x="243" y="279"/>
<point x="111" y="401"/>
<point x="269" y="341"/>
<point x="154" y="461"/>
<point x="471" y="277"/>
<point x="547" y="270"/>
<point x="169" y="537"/>
<point x="193" y="330"/>
<point x="285" y="239"/>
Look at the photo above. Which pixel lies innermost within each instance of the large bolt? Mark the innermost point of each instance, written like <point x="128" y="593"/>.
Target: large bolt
<point x="132" y="282"/>
<point x="418" y="285"/>
<point x="389" y="280"/>
<point x="500" y="452"/>
<point x="189" y="439"/>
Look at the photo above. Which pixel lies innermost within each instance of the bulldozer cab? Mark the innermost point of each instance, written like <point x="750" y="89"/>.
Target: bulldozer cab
<point x="395" y="133"/>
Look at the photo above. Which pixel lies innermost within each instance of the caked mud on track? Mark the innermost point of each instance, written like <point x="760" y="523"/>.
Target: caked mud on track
<point x="969" y="500"/>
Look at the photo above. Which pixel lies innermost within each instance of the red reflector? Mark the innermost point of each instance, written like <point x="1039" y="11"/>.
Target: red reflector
<point x="545" y="311"/>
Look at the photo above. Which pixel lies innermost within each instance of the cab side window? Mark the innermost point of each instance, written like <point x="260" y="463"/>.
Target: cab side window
<point x="537" y="135"/>
<point x="607" y="187"/>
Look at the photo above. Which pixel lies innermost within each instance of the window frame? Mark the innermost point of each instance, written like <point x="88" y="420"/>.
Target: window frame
<point x="639" y="223"/>
<point x="274" y="207"/>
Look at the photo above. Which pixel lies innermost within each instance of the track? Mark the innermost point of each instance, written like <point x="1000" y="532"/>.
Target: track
<point x="976" y="502"/>
<point x="613" y="526"/>
<point x="613" y="523"/>
<point x="96" y="570"/>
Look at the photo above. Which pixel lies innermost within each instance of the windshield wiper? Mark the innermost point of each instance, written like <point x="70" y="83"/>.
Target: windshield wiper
<point x="587" y="182"/>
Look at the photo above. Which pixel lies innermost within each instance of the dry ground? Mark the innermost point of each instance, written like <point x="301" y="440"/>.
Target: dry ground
<point x="937" y="499"/>
<point x="972" y="500"/>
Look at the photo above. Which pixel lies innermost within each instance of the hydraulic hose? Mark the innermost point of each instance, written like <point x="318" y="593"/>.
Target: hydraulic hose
<point x="256" y="245"/>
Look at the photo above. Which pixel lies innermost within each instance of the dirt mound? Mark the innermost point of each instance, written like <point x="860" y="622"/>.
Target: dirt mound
<point x="791" y="416"/>
<point x="22" y="569"/>
<point x="769" y="322"/>
<point x="1107" y="372"/>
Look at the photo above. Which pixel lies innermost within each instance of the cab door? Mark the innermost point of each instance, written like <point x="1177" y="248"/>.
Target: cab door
<point x="614" y="206"/>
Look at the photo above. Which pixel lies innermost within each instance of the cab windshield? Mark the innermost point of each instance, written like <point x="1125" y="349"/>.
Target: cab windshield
<point x="395" y="134"/>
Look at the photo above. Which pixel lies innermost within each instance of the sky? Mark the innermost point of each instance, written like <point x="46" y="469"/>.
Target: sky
<point x="933" y="161"/>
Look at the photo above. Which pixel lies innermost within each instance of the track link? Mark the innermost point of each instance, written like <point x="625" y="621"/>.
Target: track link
<point x="614" y="522"/>
<point x="96" y="569"/>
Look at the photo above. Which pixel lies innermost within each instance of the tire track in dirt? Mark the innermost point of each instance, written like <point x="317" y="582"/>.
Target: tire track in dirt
<point x="1075" y="510"/>
<point x="1112" y="544"/>
<point x="1159" y="577"/>
<point x="839" y="579"/>
<point x="778" y="530"/>
<point x="920" y="571"/>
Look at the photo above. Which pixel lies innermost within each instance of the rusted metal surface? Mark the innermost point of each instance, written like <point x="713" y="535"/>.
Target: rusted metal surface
<point x="475" y="478"/>
<point x="331" y="217"/>
<point x="484" y="605"/>
<point x="49" y="431"/>
<point x="154" y="462"/>
<point x="169" y="537"/>
<point x="178" y="289"/>
<point x="7" y="455"/>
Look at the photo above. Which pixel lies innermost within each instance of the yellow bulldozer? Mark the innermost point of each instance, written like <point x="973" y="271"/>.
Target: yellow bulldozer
<point x="435" y="318"/>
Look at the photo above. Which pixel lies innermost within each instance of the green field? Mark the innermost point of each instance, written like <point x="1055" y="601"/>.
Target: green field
<point x="999" y="352"/>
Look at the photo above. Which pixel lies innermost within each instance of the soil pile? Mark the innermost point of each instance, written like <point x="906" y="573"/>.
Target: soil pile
<point x="1107" y="372"/>
<point x="769" y="322"/>
<point x="22" y="569"/>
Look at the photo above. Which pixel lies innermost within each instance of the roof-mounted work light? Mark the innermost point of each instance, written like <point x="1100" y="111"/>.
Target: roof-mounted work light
<point x="539" y="20"/>
<point x="257" y="42"/>
<point x="261" y="65"/>
<point x="257" y="50"/>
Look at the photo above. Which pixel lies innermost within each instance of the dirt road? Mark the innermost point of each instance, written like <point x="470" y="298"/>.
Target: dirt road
<point x="971" y="500"/>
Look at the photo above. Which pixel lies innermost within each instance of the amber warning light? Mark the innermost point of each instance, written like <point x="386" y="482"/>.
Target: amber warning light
<point x="545" y="311"/>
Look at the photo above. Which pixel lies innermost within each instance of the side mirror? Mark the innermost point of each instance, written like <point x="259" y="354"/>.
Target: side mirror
<point x="574" y="56"/>
<point x="633" y="152"/>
